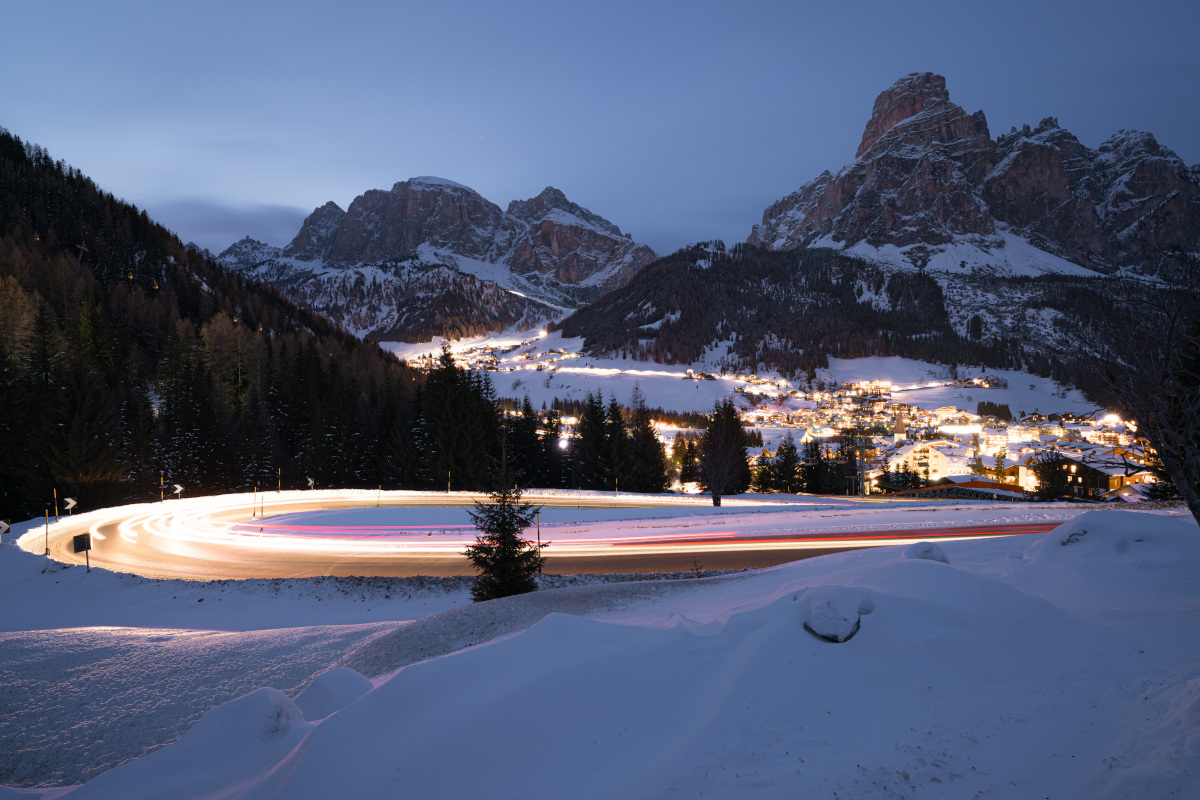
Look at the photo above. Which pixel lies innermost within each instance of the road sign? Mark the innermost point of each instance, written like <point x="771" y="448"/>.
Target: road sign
<point x="178" y="489"/>
<point x="310" y="483"/>
<point x="83" y="544"/>
<point x="70" y="503"/>
<point x="4" y="523"/>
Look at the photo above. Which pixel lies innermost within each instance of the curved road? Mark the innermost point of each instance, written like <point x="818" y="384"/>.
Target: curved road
<point x="238" y="536"/>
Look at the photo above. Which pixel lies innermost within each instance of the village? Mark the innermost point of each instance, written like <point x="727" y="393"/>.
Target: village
<point x="989" y="452"/>
<point x="958" y="453"/>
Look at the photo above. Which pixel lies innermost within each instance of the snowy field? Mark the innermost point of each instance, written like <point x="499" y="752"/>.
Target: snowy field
<point x="1060" y="665"/>
<point x="667" y="386"/>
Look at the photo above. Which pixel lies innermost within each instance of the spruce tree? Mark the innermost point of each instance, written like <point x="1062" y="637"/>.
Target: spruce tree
<point x="617" y="460"/>
<point x="723" y="465"/>
<point x="589" y="450"/>
<point x="787" y="466"/>
<point x="647" y="460"/>
<point x="506" y="562"/>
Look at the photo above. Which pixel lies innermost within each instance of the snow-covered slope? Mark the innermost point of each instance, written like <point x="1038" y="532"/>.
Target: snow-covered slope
<point x="432" y="257"/>
<point x="1052" y="665"/>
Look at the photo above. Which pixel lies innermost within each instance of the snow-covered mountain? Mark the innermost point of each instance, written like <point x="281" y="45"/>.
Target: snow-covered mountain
<point x="930" y="188"/>
<point x="433" y="257"/>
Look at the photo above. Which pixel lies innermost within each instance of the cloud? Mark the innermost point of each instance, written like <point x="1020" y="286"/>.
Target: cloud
<point x="216" y="226"/>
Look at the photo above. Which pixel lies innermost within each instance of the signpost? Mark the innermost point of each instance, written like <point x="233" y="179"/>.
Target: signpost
<point x="70" y="503"/>
<point x="83" y="544"/>
<point x="4" y="526"/>
<point x="178" y="489"/>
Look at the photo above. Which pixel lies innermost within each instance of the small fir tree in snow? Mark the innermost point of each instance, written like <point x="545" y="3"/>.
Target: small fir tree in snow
<point x="506" y="562"/>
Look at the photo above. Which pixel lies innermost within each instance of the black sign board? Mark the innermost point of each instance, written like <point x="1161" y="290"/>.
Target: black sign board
<point x="82" y="542"/>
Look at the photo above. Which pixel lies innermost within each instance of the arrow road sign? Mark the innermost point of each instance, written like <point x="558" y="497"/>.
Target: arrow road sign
<point x="70" y="503"/>
<point x="4" y="526"/>
<point x="178" y="489"/>
<point x="310" y="483"/>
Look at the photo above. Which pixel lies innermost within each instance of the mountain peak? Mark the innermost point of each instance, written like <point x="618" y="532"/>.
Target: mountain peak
<point x="905" y="98"/>
<point x="535" y="209"/>
<point x="313" y="238"/>
<point x="431" y="181"/>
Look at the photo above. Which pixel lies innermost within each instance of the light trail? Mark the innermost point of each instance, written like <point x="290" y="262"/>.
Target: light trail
<point x="225" y="537"/>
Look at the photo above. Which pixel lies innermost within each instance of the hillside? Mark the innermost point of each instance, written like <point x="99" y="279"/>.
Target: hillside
<point x="129" y="360"/>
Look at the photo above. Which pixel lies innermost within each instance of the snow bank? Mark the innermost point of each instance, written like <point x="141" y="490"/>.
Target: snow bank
<point x="1116" y="561"/>
<point x="1010" y="672"/>
<point x="331" y="691"/>
<point x="234" y="746"/>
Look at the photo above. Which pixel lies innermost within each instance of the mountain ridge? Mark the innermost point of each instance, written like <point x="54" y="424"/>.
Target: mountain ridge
<point x="927" y="175"/>
<point x="428" y="240"/>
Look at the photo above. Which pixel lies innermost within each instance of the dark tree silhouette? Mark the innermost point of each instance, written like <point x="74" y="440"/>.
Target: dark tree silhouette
<point x="506" y="562"/>
<point x="723" y="466"/>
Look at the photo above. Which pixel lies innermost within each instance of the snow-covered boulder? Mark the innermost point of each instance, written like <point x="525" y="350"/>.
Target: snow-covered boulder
<point x="1111" y="537"/>
<point x="331" y="692"/>
<point x="927" y="551"/>
<point x="1120" y="561"/>
<point x="834" y="613"/>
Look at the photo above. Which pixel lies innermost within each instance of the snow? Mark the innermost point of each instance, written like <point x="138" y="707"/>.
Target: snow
<point x="332" y="691"/>
<point x="1006" y="253"/>
<point x="922" y="384"/>
<point x="911" y="381"/>
<point x="927" y="551"/>
<point x="430" y="180"/>
<point x="1042" y="665"/>
<point x="834" y="613"/>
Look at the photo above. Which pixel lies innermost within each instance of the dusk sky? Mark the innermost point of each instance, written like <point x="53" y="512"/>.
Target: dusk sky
<point x="678" y="121"/>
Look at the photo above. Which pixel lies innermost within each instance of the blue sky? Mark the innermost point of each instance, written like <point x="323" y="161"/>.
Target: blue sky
<point x="678" y="121"/>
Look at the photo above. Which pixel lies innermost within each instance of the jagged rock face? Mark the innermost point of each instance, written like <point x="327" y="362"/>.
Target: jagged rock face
<point x="927" y="173"/>
<point x="536" y="208"/>
<point x="911" y="181"/>
<point x="311" y="241"/>
<point x="573" y="251"/>
<point x="550" y="253"/>
<point x="390" y="225"/>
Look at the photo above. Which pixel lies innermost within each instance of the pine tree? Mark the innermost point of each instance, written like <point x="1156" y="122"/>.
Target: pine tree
<point x="787" y="466"/>
<point x="83" y="449"/>
<point x="589" y="450"/>
<point x="723" y="465"/>
<point x="453" y="420"/>
<point x="521" y="438"/>
<point x="617" y="460"/>
<point x="764" y="474"/>
<point x="647" y="460"/>
<point x="506" y="562"/>
<point x="554" y="461"/>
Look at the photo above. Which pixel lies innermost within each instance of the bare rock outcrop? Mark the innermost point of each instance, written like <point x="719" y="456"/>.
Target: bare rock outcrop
<point x="928" y="173"/>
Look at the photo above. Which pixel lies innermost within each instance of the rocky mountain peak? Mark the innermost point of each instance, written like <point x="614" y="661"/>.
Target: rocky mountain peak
<point x="928" y="175"/>
<point x="311" y="241"/>
<point x="535" y="209"/>
<point x="907" y="97"/>
<point x="427" y="239"/>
